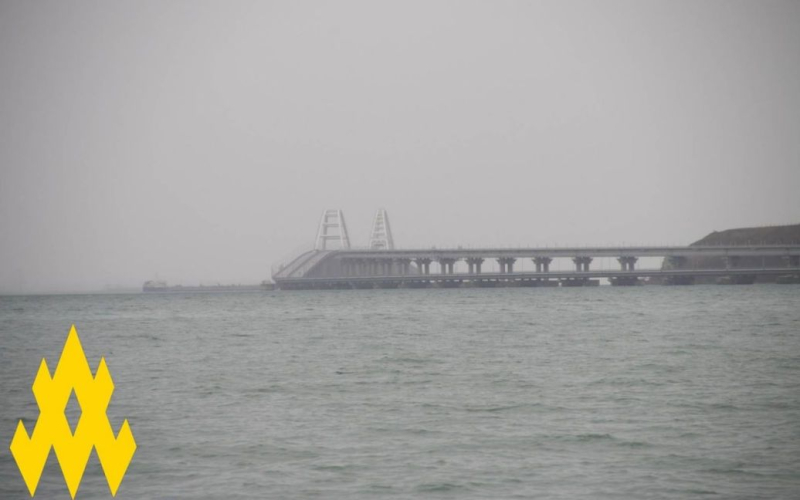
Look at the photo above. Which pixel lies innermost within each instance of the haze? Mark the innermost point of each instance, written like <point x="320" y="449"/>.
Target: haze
<point x="200" y="142"/>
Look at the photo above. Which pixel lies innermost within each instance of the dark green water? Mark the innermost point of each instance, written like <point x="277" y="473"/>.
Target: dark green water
<point x="651" y="392"/>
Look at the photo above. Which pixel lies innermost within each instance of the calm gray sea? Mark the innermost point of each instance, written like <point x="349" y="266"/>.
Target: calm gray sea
<point x="648" y="392"/>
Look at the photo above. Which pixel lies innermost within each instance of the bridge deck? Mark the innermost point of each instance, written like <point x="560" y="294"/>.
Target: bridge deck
<point x="595" y="251"/>
<point x="552" y="275"/>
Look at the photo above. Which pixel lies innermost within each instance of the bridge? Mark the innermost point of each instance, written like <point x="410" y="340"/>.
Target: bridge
<point x="381" y="265"/>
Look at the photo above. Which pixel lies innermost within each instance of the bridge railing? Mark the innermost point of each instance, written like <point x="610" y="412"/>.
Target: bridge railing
<point x="557" y="246"/>
<point x="289" y="258"/>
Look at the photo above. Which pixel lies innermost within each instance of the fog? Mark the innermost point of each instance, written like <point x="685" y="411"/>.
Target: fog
<point x="200" y="141"/>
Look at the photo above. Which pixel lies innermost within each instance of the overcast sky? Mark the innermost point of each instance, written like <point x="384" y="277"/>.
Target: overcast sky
<point x="201" y="141"/>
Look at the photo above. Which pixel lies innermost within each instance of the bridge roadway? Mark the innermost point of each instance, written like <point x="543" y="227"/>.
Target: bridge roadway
<point x="616" y="251"/>
<point x="551" y="278"/>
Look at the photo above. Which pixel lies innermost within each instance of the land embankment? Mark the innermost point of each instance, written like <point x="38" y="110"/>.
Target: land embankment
<point x="768" y="235"/>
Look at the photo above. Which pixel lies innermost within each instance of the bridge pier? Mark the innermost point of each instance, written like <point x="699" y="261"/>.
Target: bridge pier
<point x="792" y="261"/>
<point x="403" y="266"/>
<point x="542" y="264"/>
<point x="424" y="265"/>
<point x="627" y="262"/>
<point x="582" y="263"/>
<point x="506" y="264"/>
<point x="474" y="264"/>
<point x="446" y="265"/>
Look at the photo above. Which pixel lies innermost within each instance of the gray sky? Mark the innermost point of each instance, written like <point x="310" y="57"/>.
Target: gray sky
<point x="201" y="141"/>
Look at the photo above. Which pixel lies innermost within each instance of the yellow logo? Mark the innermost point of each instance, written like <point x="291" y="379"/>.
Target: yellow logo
<point x="93" y="430"/>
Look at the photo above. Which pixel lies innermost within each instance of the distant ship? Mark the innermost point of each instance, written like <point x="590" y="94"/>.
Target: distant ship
<point x="155" y="286"/>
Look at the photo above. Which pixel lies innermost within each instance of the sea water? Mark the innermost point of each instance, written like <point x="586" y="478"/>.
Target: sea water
<point x="646" y="392"/>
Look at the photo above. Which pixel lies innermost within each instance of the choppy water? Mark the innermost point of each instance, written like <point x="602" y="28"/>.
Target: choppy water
<point x="652" y="392"/>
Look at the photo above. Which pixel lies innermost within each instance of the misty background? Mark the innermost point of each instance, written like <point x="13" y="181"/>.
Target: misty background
<point x="200" y="141"/>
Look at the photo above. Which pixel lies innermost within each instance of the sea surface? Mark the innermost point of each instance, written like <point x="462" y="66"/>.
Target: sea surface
<point x="575" y="393"/>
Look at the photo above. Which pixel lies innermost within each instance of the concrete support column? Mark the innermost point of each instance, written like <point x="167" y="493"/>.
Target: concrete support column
<point x="582" y="263"/>
<point x="792" y="260"/>
<point x="542" y="264"/>
<point x="506" y="264"/>
<point x="627" y="262"/>
<point x="447" y="265"/>
<point x="474" y="264"/>
<point x="402" y="266"/>
<point x="424" y="265"/>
